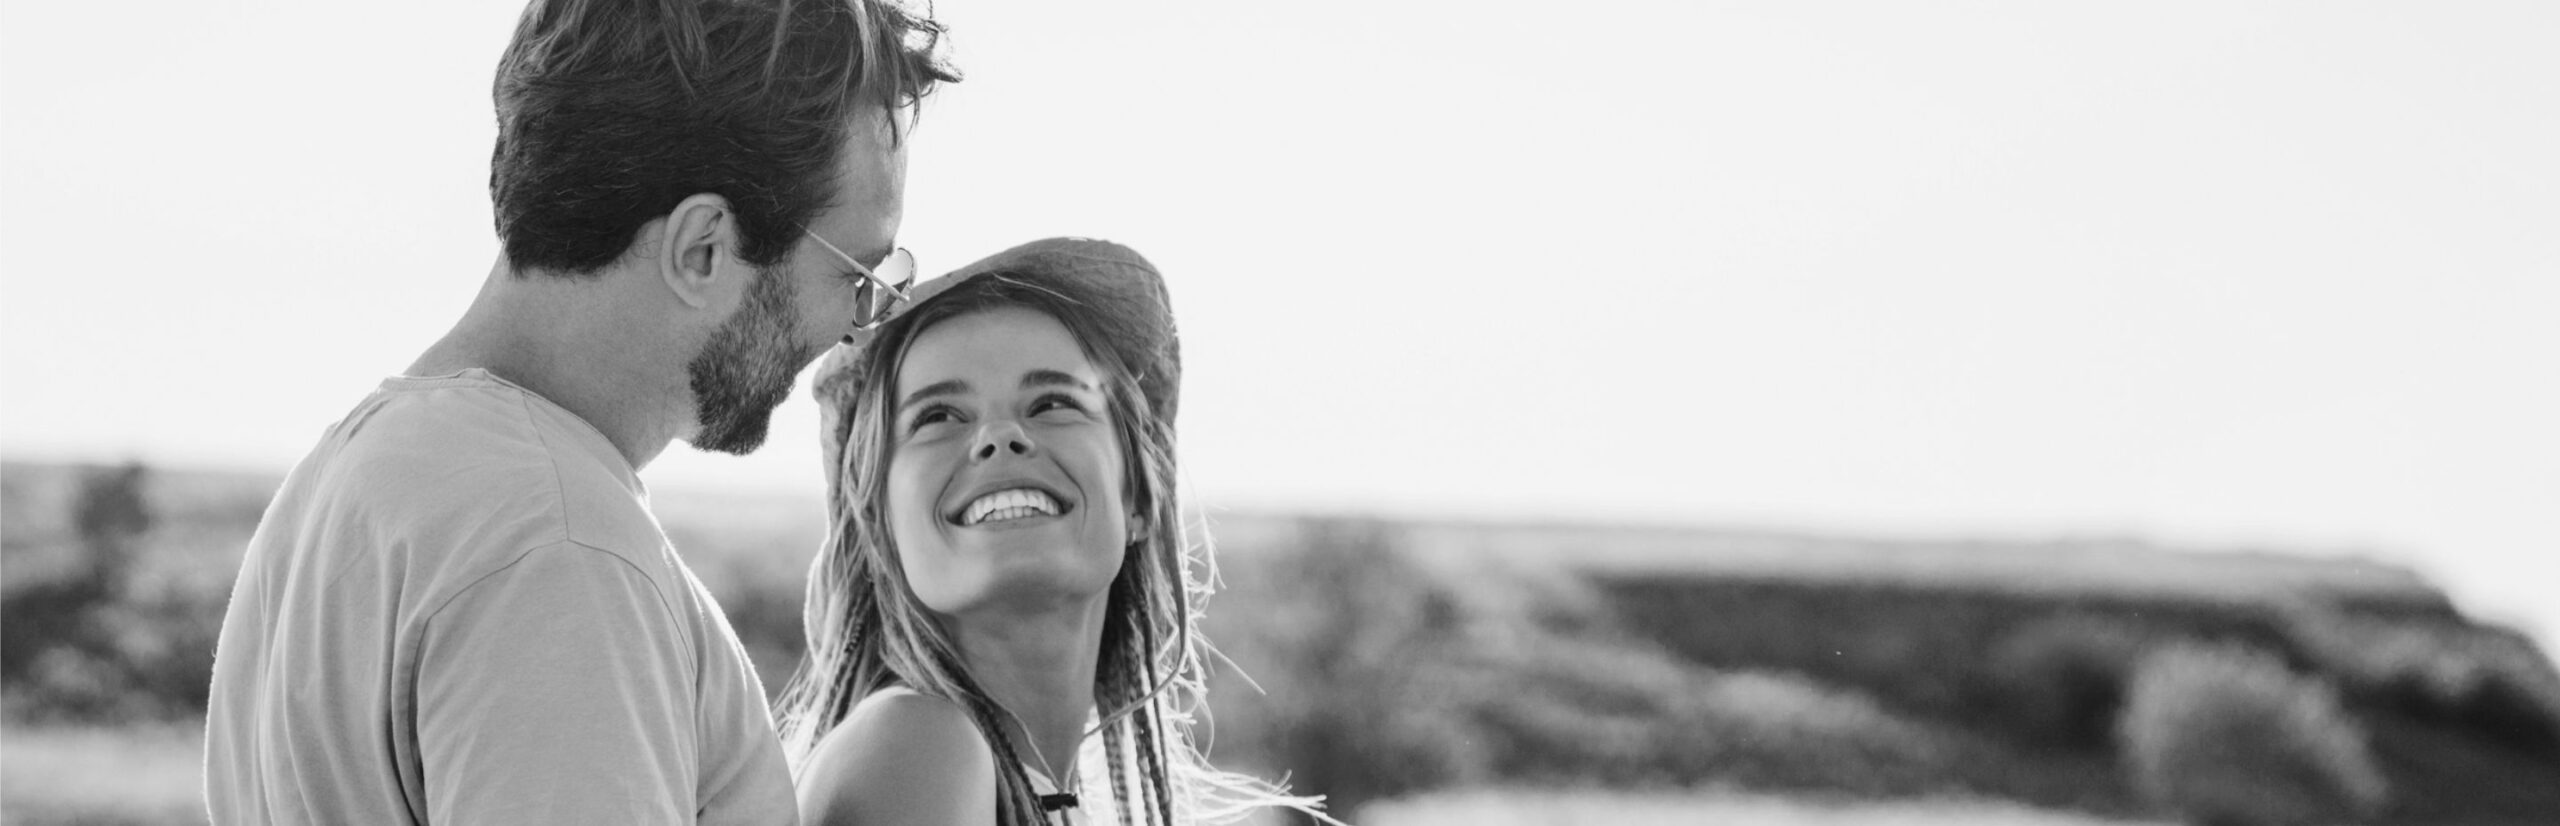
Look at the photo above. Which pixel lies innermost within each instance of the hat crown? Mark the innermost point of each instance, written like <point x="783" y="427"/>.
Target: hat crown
<point x="1110" y="283"/>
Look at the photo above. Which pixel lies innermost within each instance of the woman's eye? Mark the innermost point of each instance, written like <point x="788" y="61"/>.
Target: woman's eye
<point x="1051" y="403"/>
<point x="931" y="416"/>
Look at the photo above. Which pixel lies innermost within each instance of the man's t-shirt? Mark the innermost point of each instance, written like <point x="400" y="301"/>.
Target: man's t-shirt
<point x="460" y="610"/>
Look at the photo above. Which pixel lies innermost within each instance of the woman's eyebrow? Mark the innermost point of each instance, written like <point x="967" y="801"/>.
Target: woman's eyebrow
<point x="946" y="387"/>
<point x="1053" y="378"/>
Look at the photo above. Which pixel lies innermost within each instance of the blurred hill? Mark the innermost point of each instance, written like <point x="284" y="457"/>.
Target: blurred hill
<point x="2059" y="567"/>
<point x="1372" y="659"/>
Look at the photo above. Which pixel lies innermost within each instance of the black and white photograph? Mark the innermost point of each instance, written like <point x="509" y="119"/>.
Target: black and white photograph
<point x="1003" y="413"/>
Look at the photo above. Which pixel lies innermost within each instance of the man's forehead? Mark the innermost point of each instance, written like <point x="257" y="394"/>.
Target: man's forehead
<point x="869" y="203"/>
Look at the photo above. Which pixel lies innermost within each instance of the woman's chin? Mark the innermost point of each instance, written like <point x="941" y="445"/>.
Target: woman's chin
<point x="1037" y="563"/>
<point x="1030" y="583"/>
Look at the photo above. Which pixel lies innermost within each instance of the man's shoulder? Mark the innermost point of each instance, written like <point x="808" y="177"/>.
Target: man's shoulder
<point x="471" y="453"/>
<point x="481" y="466"/>
<point x="430" y="433"/>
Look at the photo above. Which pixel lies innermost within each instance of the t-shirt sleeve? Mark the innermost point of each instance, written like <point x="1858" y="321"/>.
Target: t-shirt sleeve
<point x="557" y="690"/>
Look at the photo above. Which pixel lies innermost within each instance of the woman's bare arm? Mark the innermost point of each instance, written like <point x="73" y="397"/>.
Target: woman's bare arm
<point x="901" y="759"/>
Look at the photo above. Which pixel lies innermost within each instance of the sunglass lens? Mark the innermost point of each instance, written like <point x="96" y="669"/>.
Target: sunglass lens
<point x="898" y="270"/>
<point x="873" y="303"/>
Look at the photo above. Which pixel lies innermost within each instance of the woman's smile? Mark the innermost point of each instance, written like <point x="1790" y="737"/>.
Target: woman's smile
<point x="1008" y="505"/>
<point x="1006" y="501"/>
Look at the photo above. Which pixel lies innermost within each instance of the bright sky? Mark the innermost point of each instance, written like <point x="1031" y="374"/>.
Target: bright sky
<point x="2224" y="272"/>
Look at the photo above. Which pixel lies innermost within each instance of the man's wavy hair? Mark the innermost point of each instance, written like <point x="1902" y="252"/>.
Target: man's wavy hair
<point x="867" y="629"/>
<point x="609" y="113"/>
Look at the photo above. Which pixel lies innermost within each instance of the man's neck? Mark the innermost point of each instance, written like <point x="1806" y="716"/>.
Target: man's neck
<point x="572" y="343"/>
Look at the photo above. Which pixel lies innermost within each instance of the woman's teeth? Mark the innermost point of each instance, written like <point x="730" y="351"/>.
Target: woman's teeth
<point x="1010" y="503"/>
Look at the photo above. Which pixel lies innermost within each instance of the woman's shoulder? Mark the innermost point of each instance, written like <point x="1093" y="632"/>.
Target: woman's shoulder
<point x="900" y="756"/>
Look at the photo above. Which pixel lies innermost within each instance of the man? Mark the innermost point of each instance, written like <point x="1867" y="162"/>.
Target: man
<point x="459" y="609"/>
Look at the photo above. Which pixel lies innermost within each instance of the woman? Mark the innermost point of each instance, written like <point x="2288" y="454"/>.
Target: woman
<point x="1008" y="574"/>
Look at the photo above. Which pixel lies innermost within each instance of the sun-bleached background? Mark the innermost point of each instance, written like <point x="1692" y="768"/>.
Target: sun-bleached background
<point x="2225" y="273"/>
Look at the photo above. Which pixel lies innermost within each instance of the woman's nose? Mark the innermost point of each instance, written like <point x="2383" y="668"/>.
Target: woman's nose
<point x="1001" y="437"/>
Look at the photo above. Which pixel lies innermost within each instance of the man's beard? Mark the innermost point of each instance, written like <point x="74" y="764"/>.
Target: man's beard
<point x="745" y="370"/>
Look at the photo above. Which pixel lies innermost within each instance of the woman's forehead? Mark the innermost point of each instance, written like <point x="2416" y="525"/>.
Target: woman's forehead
<point x="1000" y="346"/>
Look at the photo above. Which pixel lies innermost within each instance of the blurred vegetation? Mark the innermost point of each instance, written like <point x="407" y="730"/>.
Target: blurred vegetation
<point x="1375" y="660"/>
<point x="88" y="633"/>
<point x="2227" y="736"/>
<point x="1383" y="675"/>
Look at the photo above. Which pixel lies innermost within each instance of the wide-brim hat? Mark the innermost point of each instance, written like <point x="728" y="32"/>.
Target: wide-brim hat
<point x="1114" y="281"/>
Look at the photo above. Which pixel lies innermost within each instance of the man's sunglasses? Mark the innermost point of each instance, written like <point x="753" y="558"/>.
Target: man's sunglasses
<point x="881" y="289"/>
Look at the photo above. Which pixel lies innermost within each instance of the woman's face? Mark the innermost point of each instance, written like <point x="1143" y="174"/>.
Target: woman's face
<point x="1005" y="474"/>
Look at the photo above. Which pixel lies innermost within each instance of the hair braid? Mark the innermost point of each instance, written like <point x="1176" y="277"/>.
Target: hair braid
<point x="1115" y="739"/>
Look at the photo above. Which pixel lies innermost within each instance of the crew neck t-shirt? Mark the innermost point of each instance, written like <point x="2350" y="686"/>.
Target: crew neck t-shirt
<point x="459" y="609"/>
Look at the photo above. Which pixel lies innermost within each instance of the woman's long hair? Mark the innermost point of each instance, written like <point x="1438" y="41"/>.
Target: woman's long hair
<point x="867" y="630"/>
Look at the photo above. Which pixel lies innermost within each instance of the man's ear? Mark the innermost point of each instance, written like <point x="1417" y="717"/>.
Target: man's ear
<point x="699" y="248"/>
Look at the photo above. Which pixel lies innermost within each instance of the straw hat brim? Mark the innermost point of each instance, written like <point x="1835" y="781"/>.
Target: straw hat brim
<point x="1121" y="286"/>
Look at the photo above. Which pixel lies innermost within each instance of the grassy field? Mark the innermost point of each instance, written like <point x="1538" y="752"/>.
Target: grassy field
<point x="102" y="776"/>
<point x="1520" y="807"/>
<point x="51" y="776"/>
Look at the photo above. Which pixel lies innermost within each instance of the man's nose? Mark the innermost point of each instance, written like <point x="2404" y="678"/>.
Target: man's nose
<point x="1004" y="436"/>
